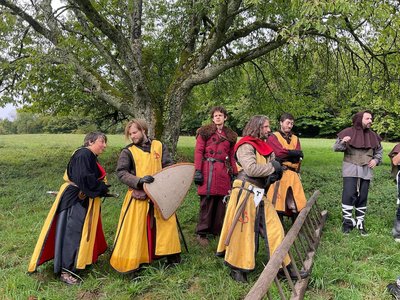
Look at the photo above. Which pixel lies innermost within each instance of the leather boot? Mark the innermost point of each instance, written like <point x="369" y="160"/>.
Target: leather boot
<point x="239" y="276"/>
<point x="292" y="273"/>
<point x="396" y="230"/>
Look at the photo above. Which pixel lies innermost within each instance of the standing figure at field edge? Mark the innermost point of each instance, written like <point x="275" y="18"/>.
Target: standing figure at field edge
<point x="362" y="152"/>
<point x="215" y="165"/>
<point x="142" y="234"/>
<point x="72" y="234"/>
<point x="249" y="214"/>
<point x="394" y="156"/>
<point x="287" y="195"/>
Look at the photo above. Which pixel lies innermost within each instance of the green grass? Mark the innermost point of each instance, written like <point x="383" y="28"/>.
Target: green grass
<point x="345" y="267"/>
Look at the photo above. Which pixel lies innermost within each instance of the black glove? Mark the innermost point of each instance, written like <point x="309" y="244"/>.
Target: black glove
<point x="145" y="179"/>
<point x="104" y="189"/>
<point x="233" y="178"/>
<point x="294" y="156"/>
<point x="198" y="177"/>
<point x="277" y="175"/>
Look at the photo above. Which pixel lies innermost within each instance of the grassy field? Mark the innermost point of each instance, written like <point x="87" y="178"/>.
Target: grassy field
<point x="346" y="267"/>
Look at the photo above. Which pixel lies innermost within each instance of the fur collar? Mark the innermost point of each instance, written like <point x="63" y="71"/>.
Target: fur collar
<point x="207" y="131"/>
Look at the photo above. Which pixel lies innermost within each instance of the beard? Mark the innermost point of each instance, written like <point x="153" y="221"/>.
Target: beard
<point x="140" y="140"/>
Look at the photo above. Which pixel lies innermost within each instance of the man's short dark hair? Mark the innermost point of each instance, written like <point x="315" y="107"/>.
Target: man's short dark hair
<point x="91" y="137"/>
<point x="286" y="116"/>
<point x="220" y="109"/>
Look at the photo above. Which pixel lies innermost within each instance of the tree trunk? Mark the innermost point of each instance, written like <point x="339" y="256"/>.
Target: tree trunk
<point x="145" y="112"/>
<point x="174" y="102"/>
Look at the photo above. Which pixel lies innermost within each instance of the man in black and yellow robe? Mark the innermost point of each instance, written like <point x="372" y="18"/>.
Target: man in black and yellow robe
<point x="72" y="234"/>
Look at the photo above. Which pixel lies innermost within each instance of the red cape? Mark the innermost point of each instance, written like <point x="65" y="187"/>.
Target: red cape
<point x="261" y="146"/>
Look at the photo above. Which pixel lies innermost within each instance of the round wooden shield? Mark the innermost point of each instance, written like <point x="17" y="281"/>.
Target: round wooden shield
<point x="170" y="187"/>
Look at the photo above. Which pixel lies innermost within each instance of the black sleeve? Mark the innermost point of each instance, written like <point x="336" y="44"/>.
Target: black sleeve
<point x="84" y="172"/>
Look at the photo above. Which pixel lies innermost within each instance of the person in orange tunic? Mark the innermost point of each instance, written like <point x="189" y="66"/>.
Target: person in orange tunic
<point x="287" y="195"/>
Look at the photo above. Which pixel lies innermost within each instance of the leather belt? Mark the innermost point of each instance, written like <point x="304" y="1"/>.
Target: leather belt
<point x="212" y="159"/>
<point x="257" y="181"/>
<point x="290" y="168"/>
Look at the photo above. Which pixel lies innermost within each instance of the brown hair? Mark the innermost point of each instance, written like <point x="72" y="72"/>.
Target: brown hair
<point x="91" y="137"/>
<point x="286" y="116"/>
<point x="140" y="124"/>
<point x="220" y="109"/>
<point x="253" y="126"/>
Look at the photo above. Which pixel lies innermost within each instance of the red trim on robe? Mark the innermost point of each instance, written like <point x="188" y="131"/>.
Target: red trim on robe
<point x="49" y="244"/>
<point x="100" y="244"/>
<point x="150" y="239"/>
<point x="102" y="171"/>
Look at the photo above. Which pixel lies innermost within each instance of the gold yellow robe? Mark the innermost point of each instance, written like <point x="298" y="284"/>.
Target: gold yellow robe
<point x="133" y="243"/>
<point x="242" y="248"/>
<point x="92" y="242"/>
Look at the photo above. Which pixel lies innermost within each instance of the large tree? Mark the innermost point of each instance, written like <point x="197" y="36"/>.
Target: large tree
<point x="143" y="58"/>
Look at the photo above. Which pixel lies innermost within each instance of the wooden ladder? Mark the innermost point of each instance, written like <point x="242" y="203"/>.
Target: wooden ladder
<point x="300" y="243"/>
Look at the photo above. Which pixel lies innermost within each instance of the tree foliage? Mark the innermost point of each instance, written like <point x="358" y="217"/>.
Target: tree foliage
<point x="143" y="59"/>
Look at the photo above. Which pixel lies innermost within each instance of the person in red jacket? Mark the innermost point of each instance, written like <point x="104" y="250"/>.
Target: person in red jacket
<point x="215" y="166"/>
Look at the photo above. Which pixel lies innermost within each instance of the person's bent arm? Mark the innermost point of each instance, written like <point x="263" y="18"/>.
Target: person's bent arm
<point x="247" y="159"/>
<point x="378" y="153"/>
<point x="340" y="145"/>
<point x="126" y="170"/>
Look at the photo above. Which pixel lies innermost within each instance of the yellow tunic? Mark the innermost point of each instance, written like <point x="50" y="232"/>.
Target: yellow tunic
<point x="290" y="180"/>
<point x="241" y="251"/>
<point x="84" y="256"/>
<point x="131" y="245"/>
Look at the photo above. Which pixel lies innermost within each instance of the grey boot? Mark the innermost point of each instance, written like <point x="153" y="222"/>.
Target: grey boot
<point x="396" y="230"/>
<point x="394" y="289"/>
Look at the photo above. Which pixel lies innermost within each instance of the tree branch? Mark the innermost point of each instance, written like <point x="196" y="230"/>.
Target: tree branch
<point x="35" y="24"/>
<point x="140" y="92"/>
<point x="105" y="53"/>
<point x="213" y="71"/>
<point x="135" y="18"/>
<point x="101" y="88"/>
<point x="225" y="18"/>
<point x="257" y="67"/>
<point x="245" y="31"/>
<point x="111" y="32"/>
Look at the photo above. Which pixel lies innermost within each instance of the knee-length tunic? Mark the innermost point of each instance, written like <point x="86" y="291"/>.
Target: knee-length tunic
<point x="142" y="234"/>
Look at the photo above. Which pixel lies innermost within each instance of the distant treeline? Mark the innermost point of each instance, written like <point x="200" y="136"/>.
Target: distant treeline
<point x="30" y="123"/>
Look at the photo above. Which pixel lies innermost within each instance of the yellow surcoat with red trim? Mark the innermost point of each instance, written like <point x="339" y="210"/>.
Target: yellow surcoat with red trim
<point x="241" y="251"/>
<point x="132" y="244"/>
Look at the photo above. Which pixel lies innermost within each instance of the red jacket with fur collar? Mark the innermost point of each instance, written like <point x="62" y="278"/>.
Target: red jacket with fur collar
<point x="214" y="156"/>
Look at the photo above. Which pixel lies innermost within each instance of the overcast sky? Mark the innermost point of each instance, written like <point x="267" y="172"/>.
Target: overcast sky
<point x="8" y="112"/>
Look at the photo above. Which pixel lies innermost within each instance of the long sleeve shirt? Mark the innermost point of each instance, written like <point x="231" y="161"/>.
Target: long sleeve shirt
<point x="353" y="170"/>
<point x="126" y="170"/>
<point x="247" y="160"/>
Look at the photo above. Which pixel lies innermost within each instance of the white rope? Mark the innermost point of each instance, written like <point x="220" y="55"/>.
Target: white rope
<point x="347" y="213"/>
